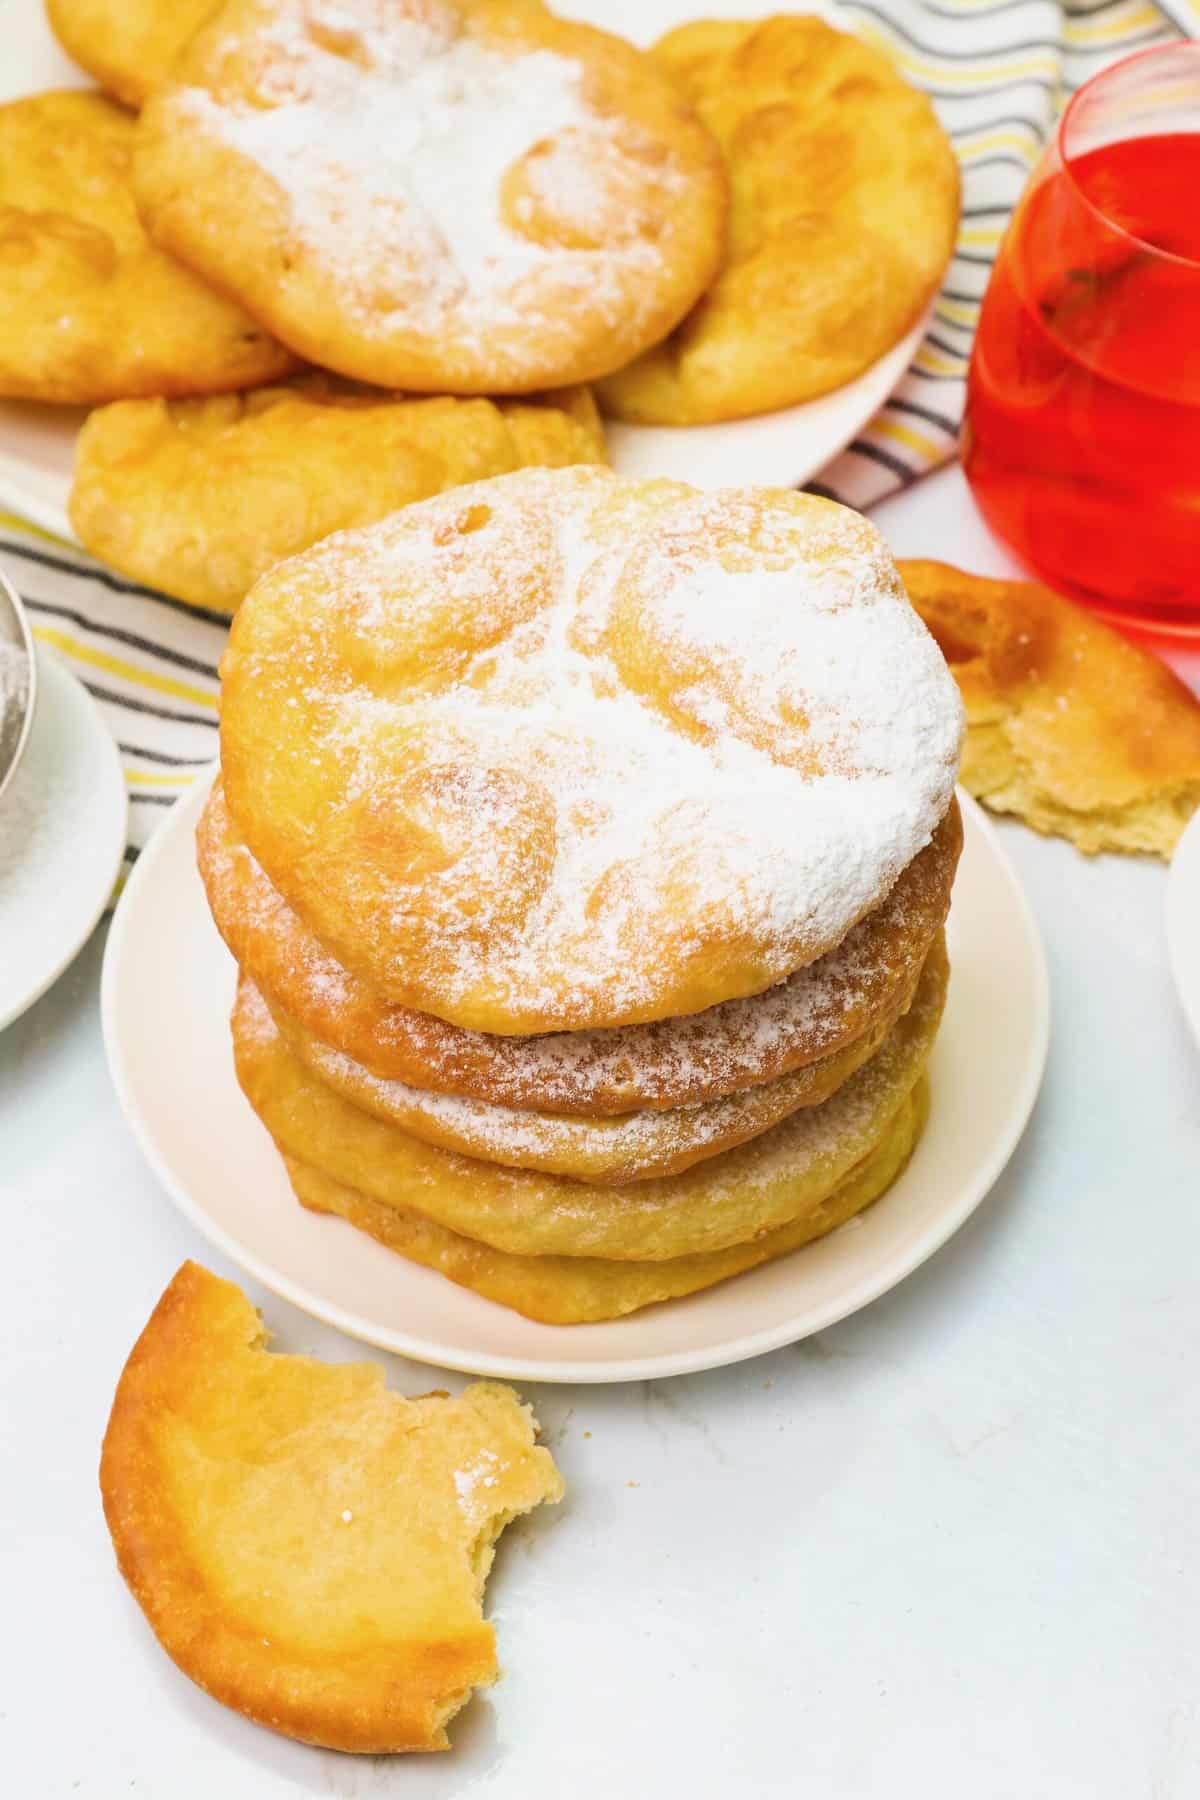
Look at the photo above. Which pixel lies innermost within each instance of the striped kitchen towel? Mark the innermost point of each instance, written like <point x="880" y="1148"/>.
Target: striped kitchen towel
<point x="149" y="662"/>
<point x="999" y="72"/>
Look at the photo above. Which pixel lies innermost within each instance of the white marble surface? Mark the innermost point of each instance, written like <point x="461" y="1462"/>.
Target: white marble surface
<point x="949" y="1549"/>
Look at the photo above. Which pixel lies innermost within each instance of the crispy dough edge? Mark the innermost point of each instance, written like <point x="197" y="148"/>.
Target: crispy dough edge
<point x="405" y="1707"/>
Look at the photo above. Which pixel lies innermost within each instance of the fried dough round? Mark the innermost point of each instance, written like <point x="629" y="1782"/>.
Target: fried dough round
<point x="558" y="751"/>
<point x="607" y="1152"/>
<point x="726" y="1200"/>
<point x="222" y="1462"/>
<point x="844" y="211"/>
<point x="128" y="45"/>
<point x="817" y="1012"/>
<point x="200" y="497"/>
<point x="457" y="196"/>
<point x="577" y="1290"/>
<point x="92" y="310"/>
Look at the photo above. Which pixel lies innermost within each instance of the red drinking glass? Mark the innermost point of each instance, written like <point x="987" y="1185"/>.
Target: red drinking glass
<point x="1082" y="434"/>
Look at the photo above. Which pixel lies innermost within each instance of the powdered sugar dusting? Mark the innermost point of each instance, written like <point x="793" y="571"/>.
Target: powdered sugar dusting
<point x="629" y="805"/>
<point x="479" y="1473"/>
<point x="670" y="1063"/>
<point x="14" y="676"/>
<point x="633" y="1146"/>
<point x="391" y="138"/>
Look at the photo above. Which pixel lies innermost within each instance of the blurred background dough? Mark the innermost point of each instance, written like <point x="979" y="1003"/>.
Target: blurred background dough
<point x="844" y="211"/>
<point x="199" y="497"/>
<point x="128" y="45"/>
<point x="435" y="195"/>
<point x="90" y="310"/>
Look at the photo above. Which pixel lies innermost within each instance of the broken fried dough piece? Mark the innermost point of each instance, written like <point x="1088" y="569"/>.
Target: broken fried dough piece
<point x="1077" y="730"/>
<point x="309" y="1547"/>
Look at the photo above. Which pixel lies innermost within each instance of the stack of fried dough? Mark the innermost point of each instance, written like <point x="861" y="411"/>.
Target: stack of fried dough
<point x="585" y="847"/>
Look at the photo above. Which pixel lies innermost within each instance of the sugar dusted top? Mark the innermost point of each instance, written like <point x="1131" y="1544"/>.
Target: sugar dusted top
<point x="418" y="187"/>
<point x="557" y="751"/>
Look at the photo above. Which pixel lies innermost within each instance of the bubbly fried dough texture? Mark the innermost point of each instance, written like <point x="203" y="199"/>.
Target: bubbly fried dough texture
<point x="92" y="310"/>
<point x="308" y="1547"/>
<point x="635" y="1146"/>
<point x="1075" y="729"/>
<point x="128" y="45"/>
<point x="558" y="751"/>
<point x="451" y="196"/>
<point x="576" y="1290"/>
<point x="726" y="1200"/>
<point x="200" y="497"/>
<point x="816" y="1013"/>
<point x="845" y="205"/>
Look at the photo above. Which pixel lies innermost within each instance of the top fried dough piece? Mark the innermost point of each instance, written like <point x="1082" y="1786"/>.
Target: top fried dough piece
<point x="128" y="45"/>
<point x="200" y="497"/>
<point x="844" y="210"/>
<point x="309" y="1547"/>
<point x="460" y="196"/>
<point x="90" y="309"/>
<point x="1071" y="726"/>
<point x="558" y="751"/>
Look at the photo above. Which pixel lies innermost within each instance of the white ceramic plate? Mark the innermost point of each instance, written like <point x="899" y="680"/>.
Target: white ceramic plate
<point x="1183" y="921"/>
<point x="37" y="444"/>
<point x="62" y="835"/>
<point x="167" y="989"/>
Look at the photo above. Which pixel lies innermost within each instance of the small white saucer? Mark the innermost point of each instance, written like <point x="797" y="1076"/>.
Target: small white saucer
<point x="62" y="837"/>
<point x="1183" y="921"/>
<point x="167" y="989"/>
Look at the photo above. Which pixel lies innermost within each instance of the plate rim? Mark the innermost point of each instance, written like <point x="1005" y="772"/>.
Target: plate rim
<point x="1183" y="886"/>
<point x="51" y="671"/>
<point x="661" y="1365"/>
<point x="34" y="510"/>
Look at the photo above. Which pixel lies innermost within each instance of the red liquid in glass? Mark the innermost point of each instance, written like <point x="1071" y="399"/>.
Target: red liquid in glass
<point x="1082" y="442"/>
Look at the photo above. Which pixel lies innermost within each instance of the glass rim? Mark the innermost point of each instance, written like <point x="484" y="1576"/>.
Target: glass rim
<point x="1189" y="46"/>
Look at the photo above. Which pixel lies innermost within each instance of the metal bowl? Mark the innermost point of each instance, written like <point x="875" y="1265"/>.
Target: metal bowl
<point x="16" y="709"/>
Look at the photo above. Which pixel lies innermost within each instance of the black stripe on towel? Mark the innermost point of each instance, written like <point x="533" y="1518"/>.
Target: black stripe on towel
<point x="85" y="572"/>
<point x="120" y="636"/>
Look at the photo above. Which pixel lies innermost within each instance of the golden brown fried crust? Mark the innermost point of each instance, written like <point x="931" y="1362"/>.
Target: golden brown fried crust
<point x="608" y="1152"/>
<point x="676" y="1062"/>
<point x="218" y="1458"/>
<point x="726" y="1200"/>
<point x="575" y="1290"/>
<point x="200" y="497"/>
<point x="624" y="215"/>
<point x="128" y="45"/>
<point x="1077" y="730"/>
<point x="93" y="311"/>
<point x="844" y="209"/>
